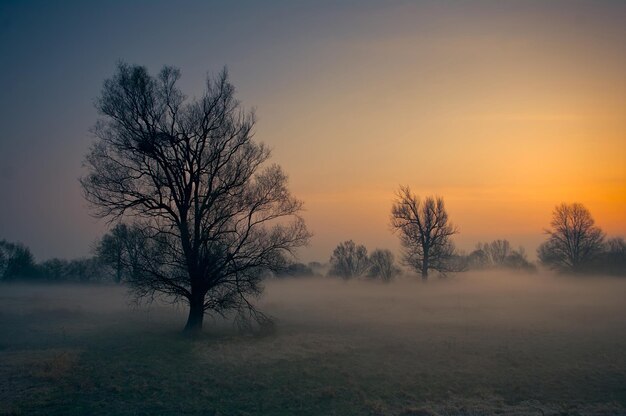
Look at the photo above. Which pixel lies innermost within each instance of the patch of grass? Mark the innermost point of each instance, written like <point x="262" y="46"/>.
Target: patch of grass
<point x="454" y="356"/>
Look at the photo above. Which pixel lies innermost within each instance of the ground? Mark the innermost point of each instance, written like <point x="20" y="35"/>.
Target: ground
<point x="468" y="345"/>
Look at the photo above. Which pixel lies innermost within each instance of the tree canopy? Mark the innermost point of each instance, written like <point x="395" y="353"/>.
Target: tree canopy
<point x="214" y="214"/>
<point x="574" y="241"/>
<point x="425" y="232"/>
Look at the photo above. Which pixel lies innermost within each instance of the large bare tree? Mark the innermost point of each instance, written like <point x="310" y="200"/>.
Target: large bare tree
<point x="574" y="240"/>
<point x="424" y="232"/>
<point x="215" y="215"/>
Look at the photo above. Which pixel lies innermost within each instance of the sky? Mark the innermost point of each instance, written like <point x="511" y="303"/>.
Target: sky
<point x="505" y="109"/>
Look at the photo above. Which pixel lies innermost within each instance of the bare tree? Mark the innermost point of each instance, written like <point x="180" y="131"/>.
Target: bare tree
<point x="349" y="260"/>
<point x="574" y="241"/>
<point x="499" y="254"/>
<point x="613" y="260"/>
<point x="121" y="249"/>
<point x="498" y="251"/>
<point x="215" y="217"/>
<point x="479" y="258"/>
<point x="16" y="261"/>
<point x="424" y="232"/>
<point x="382" y="265"/>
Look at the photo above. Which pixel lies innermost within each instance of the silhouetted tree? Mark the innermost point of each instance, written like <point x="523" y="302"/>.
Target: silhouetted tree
<point x="54" y="269"/>
<point x="4" y="259"/>
<point x="120" y="249"/>
<point x="498" y="254"/>
<point x="613" y="259"/>
<point x="479" y="258"/>
<point x="574" y="241"/>
<point x="382" y="265"/>
<point x="349" y="260"/>
<point x="498" y="251"/>
<point x="16" y="261"/>
<point x="424" y="232"/>
<point x="214" y="216"/>
<point x="84" y="270"/>
<point x="518" y="260"/>
<point x="295" y="270"/>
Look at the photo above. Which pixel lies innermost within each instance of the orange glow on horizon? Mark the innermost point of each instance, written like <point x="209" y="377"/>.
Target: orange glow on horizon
<point x="504" y="125"/>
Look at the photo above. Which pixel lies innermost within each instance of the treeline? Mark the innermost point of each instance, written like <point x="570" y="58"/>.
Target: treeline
<point x="18" y="263"/>
<point x="350" y="260"/>
<point x="575" y="246"/>
<point x="498" y="254"/>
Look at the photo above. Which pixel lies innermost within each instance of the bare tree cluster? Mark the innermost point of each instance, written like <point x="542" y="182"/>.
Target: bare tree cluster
<point x="121" y="249"/>
<point x="613" y="260"/>
<point x="351" y="260"/>
<point x="383" y="265"/>
<point x="425" y="232"/>
<point x="499" y="254"/>
<point x="214" y="214"/>
<point x="16" y="261"/>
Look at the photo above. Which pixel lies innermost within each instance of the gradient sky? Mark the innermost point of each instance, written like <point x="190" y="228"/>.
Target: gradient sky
<point x="503" y="108"/>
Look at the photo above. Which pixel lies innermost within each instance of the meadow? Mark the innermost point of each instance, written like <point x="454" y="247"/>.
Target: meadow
<point x="473" y="344"/>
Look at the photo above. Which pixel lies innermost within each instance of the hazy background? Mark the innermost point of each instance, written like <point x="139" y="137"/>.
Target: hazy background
<point x="503" y="108"/>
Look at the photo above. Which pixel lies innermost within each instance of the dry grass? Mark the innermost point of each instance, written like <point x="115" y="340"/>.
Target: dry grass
<point x="476" y="345"/>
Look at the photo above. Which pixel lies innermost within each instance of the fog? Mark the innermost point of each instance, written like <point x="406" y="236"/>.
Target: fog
<point x="491" y="342"/>
<point x="476" y="298"/>
<point x="487" y="298"/>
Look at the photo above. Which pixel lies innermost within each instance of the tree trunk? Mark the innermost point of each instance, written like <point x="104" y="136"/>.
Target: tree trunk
<point x="196" y="314"/>
<point x="425" y="268"/>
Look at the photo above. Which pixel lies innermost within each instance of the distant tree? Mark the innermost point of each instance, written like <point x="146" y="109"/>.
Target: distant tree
<point x="613" y="259"/>
<point x="349" y="260"/>
<point x="518" y="260"/>
<point x="54" y="269"/>
<point x="215" y="215"/>
<point x="315" y="265"/>
<point x="16" y="262"/>
<point x="617" y="246"/>
<point x="382" y="265"/>
<point x="4" y="259"/>
<point x="295" y="269"/>
<point x="498" y="251"/>
<point x="499" y="254"/>
<point x="479" y="258"/>
<point x="318" y="268"/>
<point x="425" y="232"/>
<point x="121" y="249"/>
<point x="574" y="240"/>
<point x="87" y="269"/>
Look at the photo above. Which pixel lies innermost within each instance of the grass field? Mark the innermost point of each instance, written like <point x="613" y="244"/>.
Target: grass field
<point x="471" y="345"/>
